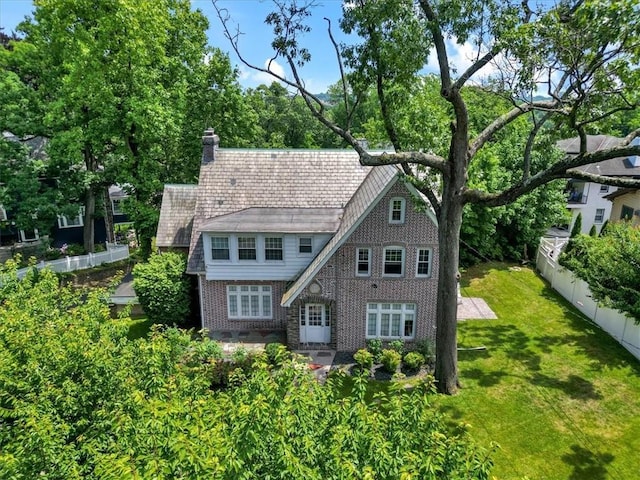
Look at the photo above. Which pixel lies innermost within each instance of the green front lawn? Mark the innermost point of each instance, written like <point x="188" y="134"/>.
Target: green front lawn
<point x="559" y="396"/>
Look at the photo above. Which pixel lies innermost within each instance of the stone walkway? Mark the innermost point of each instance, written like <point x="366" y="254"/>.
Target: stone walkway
<point x="475" y="309"/>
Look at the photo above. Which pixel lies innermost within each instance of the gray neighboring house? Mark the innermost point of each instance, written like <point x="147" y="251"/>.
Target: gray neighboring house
<point x="308" y="242"/>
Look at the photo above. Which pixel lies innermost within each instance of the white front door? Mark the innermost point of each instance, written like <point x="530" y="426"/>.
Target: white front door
<point x="315" y="325"/>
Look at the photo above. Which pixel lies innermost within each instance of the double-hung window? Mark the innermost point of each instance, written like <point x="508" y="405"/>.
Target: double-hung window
<point x="69" y="222"/>
<point x="423" y="262"/>
<point x="273" y="248"/>
<point x="247" y="248"/>
<point x="393" y="265"/>
<point x="396" y="210"/>
<point x="249" y="301"/>
<point x="391" y="320"/>
<point x="363" y="262"/>
<point x="599" y="218"/>
<point x="220" y="248"/>
<point x="305" y="245"/>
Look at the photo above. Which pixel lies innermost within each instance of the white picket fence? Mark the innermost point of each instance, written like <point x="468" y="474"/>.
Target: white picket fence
<point x="576" y="291"/>
<point x="69" y="264"/>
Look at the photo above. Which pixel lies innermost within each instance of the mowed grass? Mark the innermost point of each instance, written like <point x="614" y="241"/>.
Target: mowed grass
<point x="558" y="395"/>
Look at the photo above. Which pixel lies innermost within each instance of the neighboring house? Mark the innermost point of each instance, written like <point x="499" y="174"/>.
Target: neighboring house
<point x="66" y="230"/>
<point x="588" y="198"/>
<point x="308" y="242"/>
<point x="625" y="205"/>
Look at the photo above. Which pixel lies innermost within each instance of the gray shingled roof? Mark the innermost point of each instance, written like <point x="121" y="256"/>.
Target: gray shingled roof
<point x="281" y="220"/>
<point x="615" y="167"/>
<point x="176" y="216"/>
<point x="241" y="179"/>
<point x="374" y="187"/>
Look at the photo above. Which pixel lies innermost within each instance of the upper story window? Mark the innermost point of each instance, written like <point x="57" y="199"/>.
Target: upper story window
<point x="423" y="262"/>
<point x="393" y="262"/>
<point x="273" y="248"/>
<point x="116" y="206"/>
<point x="604" y="188"/>
<point x="363" y="262"/>
<point x="599" y="218"/>
<point x="220" y="248"/>
<point x="69" y="222"/>
<point x="396" y="210"/>
<point x="247" y="248"/>
<point x="305" y="245"/>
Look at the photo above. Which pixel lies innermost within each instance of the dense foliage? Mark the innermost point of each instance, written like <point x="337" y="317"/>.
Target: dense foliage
<point x="79" y="400"/>
<point x="162" y="287"/>
<point x="610" y="264"/>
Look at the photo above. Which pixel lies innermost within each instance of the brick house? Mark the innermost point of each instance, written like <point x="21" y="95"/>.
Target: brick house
<point x="305" y="241"/>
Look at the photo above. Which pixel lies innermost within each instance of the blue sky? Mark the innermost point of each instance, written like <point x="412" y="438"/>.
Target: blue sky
<point x="249" y="16"/>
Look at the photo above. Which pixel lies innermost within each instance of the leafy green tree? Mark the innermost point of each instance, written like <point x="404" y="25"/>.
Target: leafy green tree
<point x="126" y="89"/>
<point x="610" y="264"/>
<point x="79" y="400"/>
<point x="577" y="52"/>
<point x="163" y="288"/>
<point x="284" y="120"/>
<point x="577" y="226"/>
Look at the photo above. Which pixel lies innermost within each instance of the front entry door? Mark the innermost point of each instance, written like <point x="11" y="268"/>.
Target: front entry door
<point x="315" y="326"/>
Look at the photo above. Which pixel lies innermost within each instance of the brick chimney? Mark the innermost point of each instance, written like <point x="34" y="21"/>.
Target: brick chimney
<point x="210" y="142"/>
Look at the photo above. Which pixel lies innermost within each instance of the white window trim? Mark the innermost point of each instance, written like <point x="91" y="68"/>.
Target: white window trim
<point x="403" y="204"/>
<point x="305" y="254"/>
<point x="263" y="291"/>
<point x="255" y="245"/>
<point x="116" y="211"/>
<point x="220" y="260"/>
<point x="63" y="220"/>
<point x="403" y="311"/>
<point x="23" y="237"/>
<point x="384" y="261"/>
<point x="358" y="250"/>
<point x="429" y="273"/>
<point x="600" y="220"/>
<point x="263" y="241"/>
<point x="326" y="314"/>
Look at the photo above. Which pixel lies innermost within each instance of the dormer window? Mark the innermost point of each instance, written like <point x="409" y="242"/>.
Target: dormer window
<point x="273" y="248"/>
<point x="396" y="210"/>
<point x="220" y="248"/>
<point x="247" y="248"/>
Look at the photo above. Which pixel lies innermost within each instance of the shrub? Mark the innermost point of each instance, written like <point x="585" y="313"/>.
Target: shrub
<point x="277" y="353"/>
<point x="413" y="361"/>
<point x="364" y="359"/>
<point x="390" y="360"/>
<point x="397" y="345"/>
<point x="374" y="346"/>
<point x="162" y="288"/>
<point x="427" y="348"/>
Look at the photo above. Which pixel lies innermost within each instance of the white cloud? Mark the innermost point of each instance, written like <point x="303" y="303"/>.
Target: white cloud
<point x="253" y="78"/>
<point x="461" y="57"/>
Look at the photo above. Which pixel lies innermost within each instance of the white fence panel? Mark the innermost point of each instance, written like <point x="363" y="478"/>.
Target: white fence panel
<point x="611" y="321"/>
<point x="576" y="291"/>
<point x="582" y="298"/>
<point x="563" y="283"/>
<point x="70" y="264"/>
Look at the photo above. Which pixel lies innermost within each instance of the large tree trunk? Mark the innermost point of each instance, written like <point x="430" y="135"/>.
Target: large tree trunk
<point x="446" y="372"/>
<point x="108" y="216"/>
<point x="88" y="232"/>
